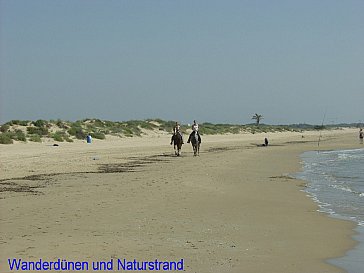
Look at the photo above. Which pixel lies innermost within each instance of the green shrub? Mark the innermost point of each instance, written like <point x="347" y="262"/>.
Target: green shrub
<point x="98" y="123"/>
<point x="19" y="135"/>
<point x="16" y="135"/>
<point x="98" y="135"/>
<point x="117" y="128"/>
<point x="77" y="123"/>
<point x="13" y="122"/>
<point x="58" y="136"/>
<point x="61" y="124"/>
<point x="77" y="132"/>
<point x="18" y="122"/>
<point x="4" y="128"/>
<point x="128" y="132"/>
<point x="110" y="124"/>
<point x="5" y="138"/>
<point x="147" y="125"/>
<point x="167" y="125"/>
<point x="131" y="128"/>
<point x="37" y="131"/>
<point x="72" y="131"/>
<point x="35" y="138"/>
<point x="40" y="123"/>
<point x="66" y="138"/>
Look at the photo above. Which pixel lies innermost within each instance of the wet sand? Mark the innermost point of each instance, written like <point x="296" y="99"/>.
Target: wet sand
<point x="232" y="209"/>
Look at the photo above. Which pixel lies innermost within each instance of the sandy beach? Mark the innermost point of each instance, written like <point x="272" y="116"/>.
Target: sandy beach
<point x="232" y="209"/>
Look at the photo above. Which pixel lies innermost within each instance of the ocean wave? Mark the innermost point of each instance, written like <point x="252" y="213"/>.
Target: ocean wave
<point x="335" y="182"/>
<point x="347" y="189"/>
<point x="349" y="156"/>
<point x="343" y="151"/>
<point x="338" y="187"/>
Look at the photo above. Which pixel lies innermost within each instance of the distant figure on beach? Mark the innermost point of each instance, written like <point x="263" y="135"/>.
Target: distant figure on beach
<point x="266" y="142"/>
<point x="176" y="130"/>
<point x="88" y="138"/>
<point x="361" y="136"/>
<point x="194" y="131"/>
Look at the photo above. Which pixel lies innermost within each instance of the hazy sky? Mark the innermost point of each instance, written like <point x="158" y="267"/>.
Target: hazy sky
<point x="217" y="61"/>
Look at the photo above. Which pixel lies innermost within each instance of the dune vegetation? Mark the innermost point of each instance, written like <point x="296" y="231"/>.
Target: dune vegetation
<point x="59" y="130"/>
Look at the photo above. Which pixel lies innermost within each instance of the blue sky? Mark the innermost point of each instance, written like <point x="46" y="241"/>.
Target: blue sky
<point x="216" y="61"/>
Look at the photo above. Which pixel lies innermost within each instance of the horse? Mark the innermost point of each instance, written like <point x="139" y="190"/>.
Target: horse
<point x="177" y="141"/>
<point x="195" y="144"/>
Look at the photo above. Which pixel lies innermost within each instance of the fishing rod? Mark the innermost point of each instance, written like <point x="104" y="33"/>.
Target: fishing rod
<point x="322" y="126"/>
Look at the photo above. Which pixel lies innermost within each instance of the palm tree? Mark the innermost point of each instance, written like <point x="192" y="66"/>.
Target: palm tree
<point x="258" y="118"/>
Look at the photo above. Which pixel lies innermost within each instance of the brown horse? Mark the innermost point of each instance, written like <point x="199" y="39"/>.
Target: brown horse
<point x="177" y="141"/>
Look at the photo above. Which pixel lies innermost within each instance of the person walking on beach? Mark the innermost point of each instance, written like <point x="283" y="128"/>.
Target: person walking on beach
<point x="361" y="135"/>
<point x="177" y="130"/>
<point x="194" y="131"/>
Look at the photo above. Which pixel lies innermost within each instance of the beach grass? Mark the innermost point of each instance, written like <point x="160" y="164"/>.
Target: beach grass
<point x="60" y="130"/>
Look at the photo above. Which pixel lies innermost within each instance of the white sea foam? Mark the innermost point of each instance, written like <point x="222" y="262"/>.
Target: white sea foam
<point x="337" y="178"/>
<point x="343" y="151"/>
<point x="336" y="182"/>
<point x="347" y="189"/>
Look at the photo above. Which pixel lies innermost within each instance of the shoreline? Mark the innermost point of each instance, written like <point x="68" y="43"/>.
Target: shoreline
<point x="351" y="260"/>
<point x="242" y="192"/>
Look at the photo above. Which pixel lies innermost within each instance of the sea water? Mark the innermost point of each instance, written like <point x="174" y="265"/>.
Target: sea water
<point x="335" y="180"/>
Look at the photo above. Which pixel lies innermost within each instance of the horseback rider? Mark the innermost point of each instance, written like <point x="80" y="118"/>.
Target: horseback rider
<point x="194" y="131"/>
<point x="177" y="130"/>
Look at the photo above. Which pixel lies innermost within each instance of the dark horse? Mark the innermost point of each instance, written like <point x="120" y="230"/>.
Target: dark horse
<point x="177" y="141"/>
<point x="196" y="142"/>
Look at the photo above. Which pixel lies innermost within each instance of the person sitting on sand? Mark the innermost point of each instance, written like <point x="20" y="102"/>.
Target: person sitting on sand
<point x="194" y="131"/>
<point x="177" y="130"/>
<point x="361" y="135"/>
<point x="266" y="141"/>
